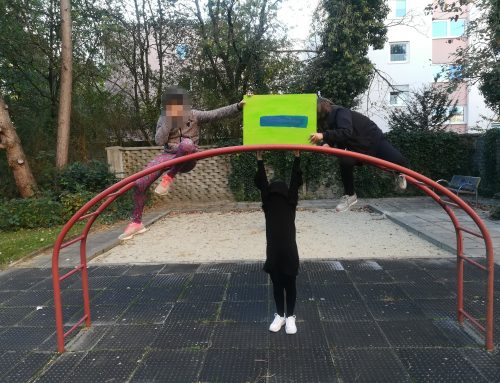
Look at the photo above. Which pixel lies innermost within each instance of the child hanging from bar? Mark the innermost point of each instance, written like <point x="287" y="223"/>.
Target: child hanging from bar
<point x="279" y="202"/>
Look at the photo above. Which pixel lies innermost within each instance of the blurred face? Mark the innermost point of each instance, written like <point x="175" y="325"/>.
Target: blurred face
<point x="175" y="110"/>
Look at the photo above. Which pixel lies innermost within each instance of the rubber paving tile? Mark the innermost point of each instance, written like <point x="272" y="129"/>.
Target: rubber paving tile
<point x="302" y="365"/>
<point x="144" y="270"/>
<point x="19" y="283"/>
<point x="437" y="308"/>
<point x="370" y="366"/>
<point x="31" y="299"/>
<point x="61" y="368"/>
<point x="229" y="335"/>
<point x="235" y="366"/>
<point x="181" y="268"/>
<point x="309" y="336"/>
<point x="249" y="278"/>
<point x="310" y="266"/>
<point x="174" y="366"/>
<point x="328" y="277"/>
<point x="350" y="311"/>
<point x="87" y="339"/>
<point x="421" y="333"/>
<point x="29" y="366"/>
<point x="438" y="365"/>
<point x="210" y="279"/>
<point x="354" y="335"/>
<point x="199" y="293"/>
<point x="45" y="316"/>
<point x="245" y="311"/>
<point x="386" y="292"/>
<point x="9" y="359"/>
<point x="7" y="295"/>
<point x="369" y="276"/>
<point x="488" y="364"/>
<point x="336" y="294"/>
<point x="106" y="366"/>
<point x="128" y="337"/>
<point x="146" y="313"/>
<point x="24" y="338"/>
<point x="108" y="271"/>
<point x="425" y="289"/>
<point x="169" y="280"/>
<point x="10" y="316"/>
<point x="193" y="311"/>
<point x="394" y="310"/>
<point x="181" y="335"/>
<point x="247" y="293"/>
<point x="116" y="296"/>
<point x="411" y="275"/>
<point x="159" y="295"/>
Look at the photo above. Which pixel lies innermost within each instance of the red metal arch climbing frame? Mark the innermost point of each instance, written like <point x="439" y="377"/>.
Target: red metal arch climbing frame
<point x="104" y="199"/>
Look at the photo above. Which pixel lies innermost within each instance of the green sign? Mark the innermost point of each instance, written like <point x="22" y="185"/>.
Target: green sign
<point x="279" y="119"/>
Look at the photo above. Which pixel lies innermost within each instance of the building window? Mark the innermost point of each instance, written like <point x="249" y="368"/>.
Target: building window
<point x="399" y="52"/>
<point x="399" y="95"/>
<point x="495" y="125"/>
<point x="458" y="116"/>
<point x="457" y="28"/>
<point x="448" y="28"/>
<point x="400" y="8"/>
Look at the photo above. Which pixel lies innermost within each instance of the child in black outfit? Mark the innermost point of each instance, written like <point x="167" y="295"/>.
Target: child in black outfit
<point x="279" y="203"/>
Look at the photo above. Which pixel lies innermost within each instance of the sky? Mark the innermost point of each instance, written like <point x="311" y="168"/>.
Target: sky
<point x="297" y="16"/>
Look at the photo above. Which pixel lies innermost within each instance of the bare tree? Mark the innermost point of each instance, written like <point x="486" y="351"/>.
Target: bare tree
<point x="10" y="142"/>
<point x="63" y="126"/>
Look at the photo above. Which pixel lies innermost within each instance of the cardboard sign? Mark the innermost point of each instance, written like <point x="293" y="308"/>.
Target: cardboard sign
<point x="279" y="119"/>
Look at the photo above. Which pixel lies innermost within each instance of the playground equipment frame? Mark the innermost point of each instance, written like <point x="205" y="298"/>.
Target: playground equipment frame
<point x="428" y="186"/>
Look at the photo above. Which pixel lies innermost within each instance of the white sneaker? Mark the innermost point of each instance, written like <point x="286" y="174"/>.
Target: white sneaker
<point x="401" y="182"/>
<point x="290" y="327"/>
<point x="277" y="324"/>
<point x="346" y="202"/>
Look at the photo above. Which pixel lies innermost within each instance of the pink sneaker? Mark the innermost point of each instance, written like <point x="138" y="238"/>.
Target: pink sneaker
<point x="164" y="186"/>
<point x="132" y="229"/>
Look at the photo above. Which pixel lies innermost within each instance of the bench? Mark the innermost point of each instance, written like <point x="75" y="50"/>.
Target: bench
<point x="462" y="184"/>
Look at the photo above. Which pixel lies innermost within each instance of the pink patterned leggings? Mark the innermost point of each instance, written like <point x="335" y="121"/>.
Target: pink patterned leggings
<point x="142" y="184"/>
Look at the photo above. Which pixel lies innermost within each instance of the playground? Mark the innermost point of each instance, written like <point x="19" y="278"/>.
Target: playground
<point x="359" y="320"/>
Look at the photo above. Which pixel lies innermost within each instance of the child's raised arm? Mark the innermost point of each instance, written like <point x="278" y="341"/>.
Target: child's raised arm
<point x="296" y="179"/>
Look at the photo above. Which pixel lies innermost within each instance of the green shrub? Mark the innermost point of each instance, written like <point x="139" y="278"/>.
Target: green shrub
<point x="495" y="212"/>
<point x="93" y="176"/>
<point x="30" y="213"/>
<point x="490" y="181"/>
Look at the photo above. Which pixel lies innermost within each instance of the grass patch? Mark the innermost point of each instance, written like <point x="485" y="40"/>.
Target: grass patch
<point x="15" y="245"/>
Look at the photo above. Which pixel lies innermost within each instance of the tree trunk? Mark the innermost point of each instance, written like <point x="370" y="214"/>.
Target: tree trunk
<point x="9" y="140"/>
<point x="63" y="126"/>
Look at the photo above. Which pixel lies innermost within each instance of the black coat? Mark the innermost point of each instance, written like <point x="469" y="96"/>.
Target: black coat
<point x="279" y="203"/>
<point x="347" y="129"/>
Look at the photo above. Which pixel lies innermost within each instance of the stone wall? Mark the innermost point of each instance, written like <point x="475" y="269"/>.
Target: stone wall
<point x="208" y="181"/>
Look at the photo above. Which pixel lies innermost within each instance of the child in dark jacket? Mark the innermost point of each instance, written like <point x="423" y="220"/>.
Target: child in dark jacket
<point x="279" y="202"/>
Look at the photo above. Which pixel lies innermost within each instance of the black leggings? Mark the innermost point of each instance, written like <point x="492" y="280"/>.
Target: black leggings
<point x="384" y="151"/>
<point x="284" y="283"/>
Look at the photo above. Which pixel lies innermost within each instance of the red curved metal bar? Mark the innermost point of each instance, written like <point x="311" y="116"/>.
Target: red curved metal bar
<point x="423" y="183"/>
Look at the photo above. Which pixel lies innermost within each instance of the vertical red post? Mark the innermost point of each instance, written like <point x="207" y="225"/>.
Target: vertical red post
<point x="489" y="291"/>
<point x="56" y="284"/>
<point x="460" y="275"/>
<point x="85" y="280"/>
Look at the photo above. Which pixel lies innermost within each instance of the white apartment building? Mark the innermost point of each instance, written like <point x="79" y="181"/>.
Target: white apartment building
<point x="419" y="46"/>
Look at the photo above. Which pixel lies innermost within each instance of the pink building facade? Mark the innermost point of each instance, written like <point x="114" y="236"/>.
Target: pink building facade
<point x="420" y="52"/>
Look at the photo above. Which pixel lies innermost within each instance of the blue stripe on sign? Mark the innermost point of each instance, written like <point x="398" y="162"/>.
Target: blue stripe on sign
<point x="284" y="121"/>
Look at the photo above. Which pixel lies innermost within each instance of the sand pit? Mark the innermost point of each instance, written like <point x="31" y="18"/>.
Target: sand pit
<point x="196" y="237"/>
